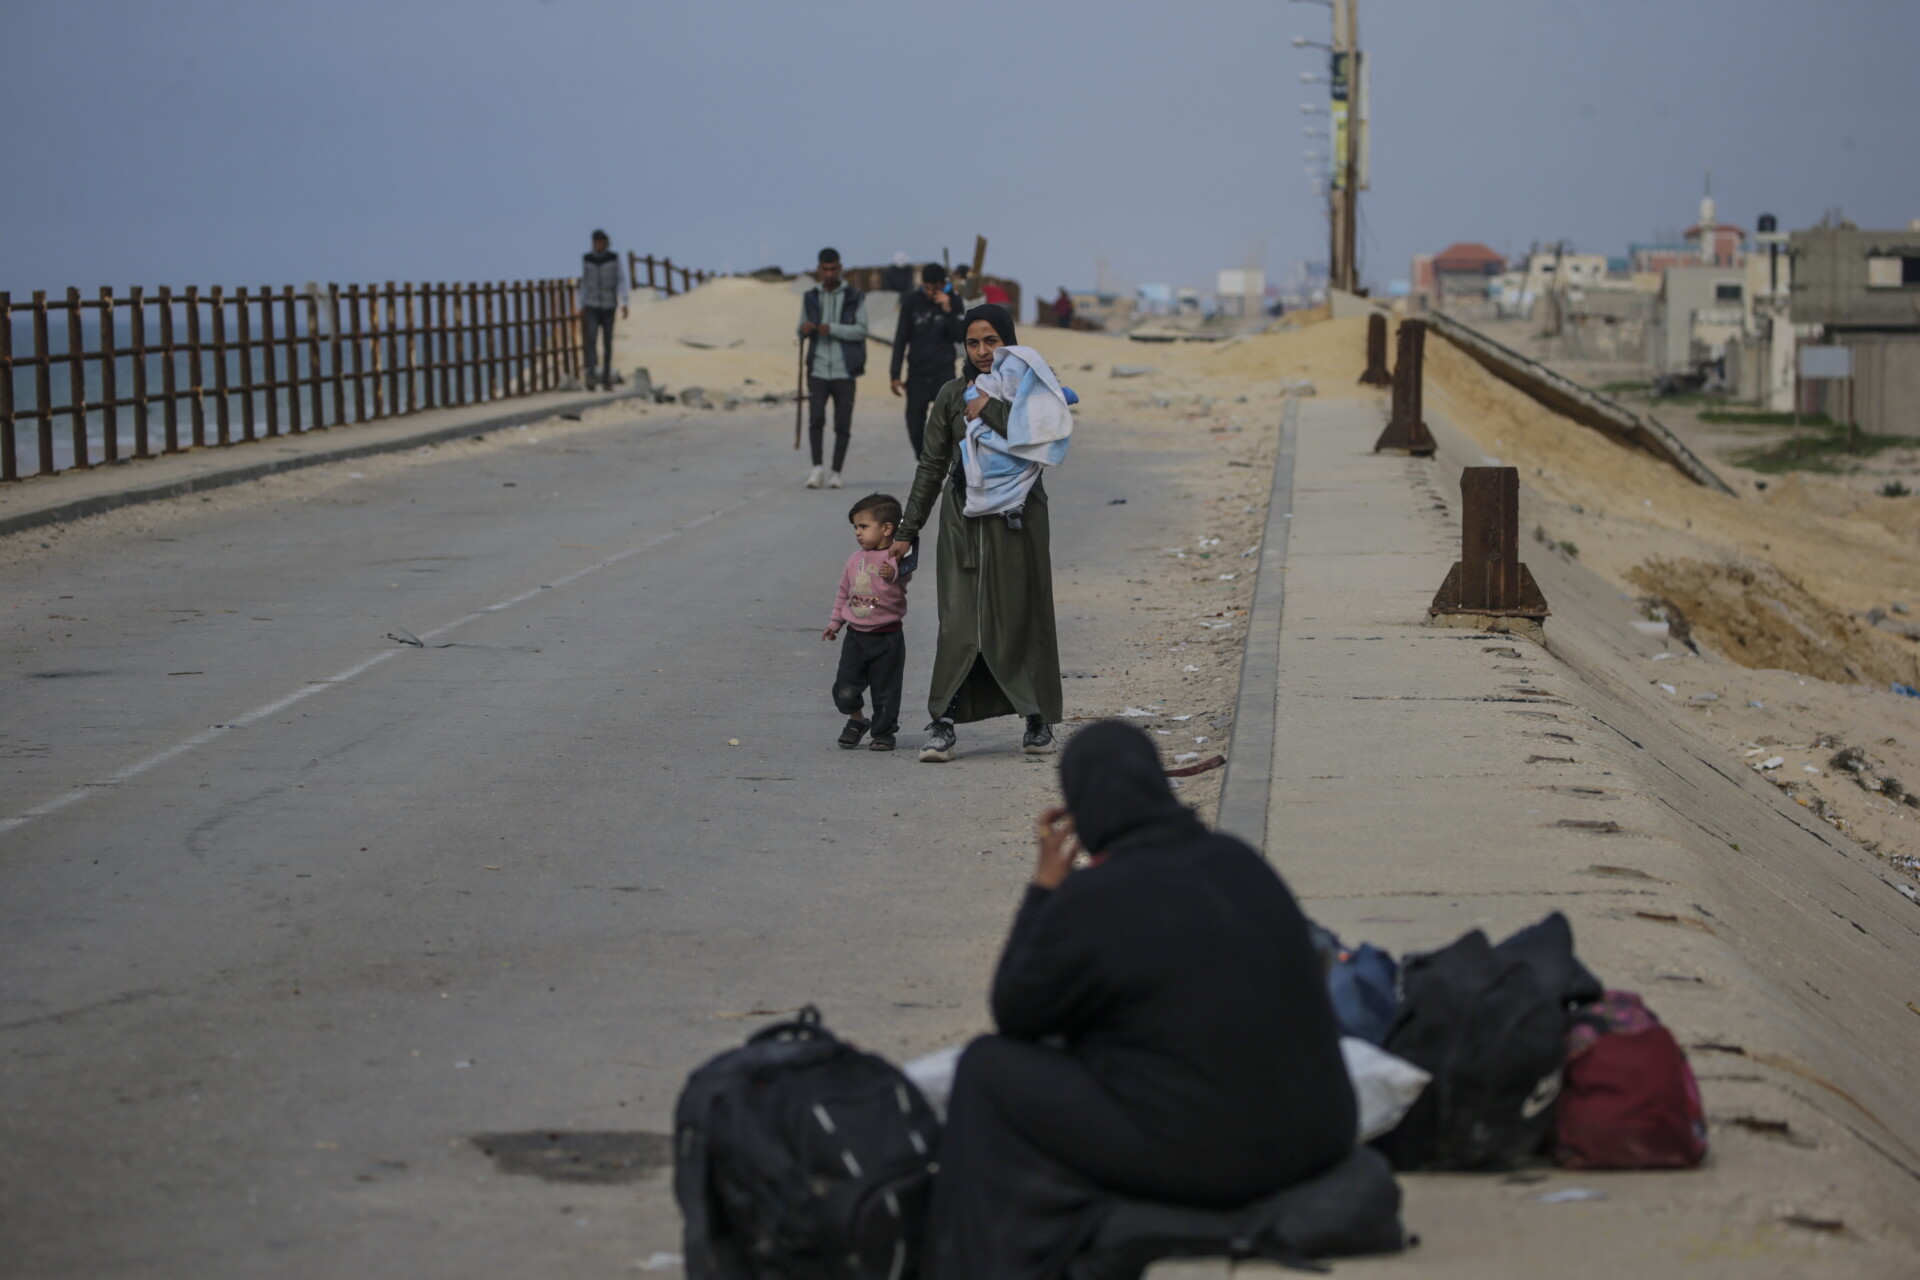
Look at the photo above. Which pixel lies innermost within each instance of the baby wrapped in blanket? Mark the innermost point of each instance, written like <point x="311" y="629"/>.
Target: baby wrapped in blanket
<point x="1001" y="470"/>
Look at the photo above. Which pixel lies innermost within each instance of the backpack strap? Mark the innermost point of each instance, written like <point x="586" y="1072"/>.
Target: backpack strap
<point x="805" y="1026"/>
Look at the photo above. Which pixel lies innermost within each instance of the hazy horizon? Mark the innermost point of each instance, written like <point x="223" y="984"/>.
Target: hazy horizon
<point x="220" y="142"/>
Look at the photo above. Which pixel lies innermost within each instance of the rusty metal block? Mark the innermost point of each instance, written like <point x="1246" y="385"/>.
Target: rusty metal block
<point x="1406" y="431"/>
<point x="1488" y="580"/>
<point x="1376" y="374"/>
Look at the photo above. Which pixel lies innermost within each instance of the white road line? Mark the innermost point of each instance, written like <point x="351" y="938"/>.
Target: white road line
<point x="127" y="773"/>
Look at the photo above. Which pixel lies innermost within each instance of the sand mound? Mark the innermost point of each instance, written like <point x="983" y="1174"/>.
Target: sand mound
<point x="1754" y="615"/>
<point x="1332" y="354"/>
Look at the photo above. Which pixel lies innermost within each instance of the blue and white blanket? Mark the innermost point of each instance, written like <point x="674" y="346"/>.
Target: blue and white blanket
<point x="1000" y="470"/>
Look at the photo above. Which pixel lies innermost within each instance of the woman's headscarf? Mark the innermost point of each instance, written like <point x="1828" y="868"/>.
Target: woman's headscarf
<point x="1114" y="785"/>
<point x="996" y="315"/>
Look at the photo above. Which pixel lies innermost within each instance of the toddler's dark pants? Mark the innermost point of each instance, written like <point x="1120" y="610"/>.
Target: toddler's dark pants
<point x="875" y="660"/>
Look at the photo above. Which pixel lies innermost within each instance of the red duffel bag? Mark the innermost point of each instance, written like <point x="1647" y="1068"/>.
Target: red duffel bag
<point x="1628" y="1100"/>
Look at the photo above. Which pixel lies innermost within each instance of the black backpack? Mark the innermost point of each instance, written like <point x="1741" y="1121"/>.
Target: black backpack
<point x="1485" y="1024"/>
<point x="800" y="1157"/>
<point x="1351" y="1209"/>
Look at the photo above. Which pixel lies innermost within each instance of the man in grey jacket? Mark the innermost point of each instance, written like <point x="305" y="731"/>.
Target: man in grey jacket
<point x="603" y="286"/>
<point x="833" y="324"/>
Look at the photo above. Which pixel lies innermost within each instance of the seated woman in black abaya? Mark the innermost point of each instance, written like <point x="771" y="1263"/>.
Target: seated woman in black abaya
<point x="1197" y="1057"/>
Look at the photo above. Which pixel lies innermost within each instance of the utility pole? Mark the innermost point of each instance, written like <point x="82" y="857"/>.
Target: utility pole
<point x="1349" y="140"/>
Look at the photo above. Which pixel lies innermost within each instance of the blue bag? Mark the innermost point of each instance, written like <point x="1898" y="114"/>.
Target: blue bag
<point x="1362" y="983"/>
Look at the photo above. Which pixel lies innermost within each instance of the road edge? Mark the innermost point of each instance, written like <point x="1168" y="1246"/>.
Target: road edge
<point x="243" y="471"/>
<point x="1245" y="792"/>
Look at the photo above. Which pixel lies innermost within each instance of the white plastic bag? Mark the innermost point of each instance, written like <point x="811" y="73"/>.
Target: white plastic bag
<point x="933" y="1076"/>
<point x="1385" y="1087"/>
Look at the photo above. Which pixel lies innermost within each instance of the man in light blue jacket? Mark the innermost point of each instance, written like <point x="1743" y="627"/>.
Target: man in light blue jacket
<point x="833" y="322"/>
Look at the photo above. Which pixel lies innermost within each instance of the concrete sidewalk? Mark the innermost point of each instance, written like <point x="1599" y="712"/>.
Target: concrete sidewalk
<point x="73" y="495"/>
<point x="1429" y="781"/>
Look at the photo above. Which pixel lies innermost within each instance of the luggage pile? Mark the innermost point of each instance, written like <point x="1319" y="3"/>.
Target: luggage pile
<point x="800" y="1157"/>
<point x="1528" y="1055"/>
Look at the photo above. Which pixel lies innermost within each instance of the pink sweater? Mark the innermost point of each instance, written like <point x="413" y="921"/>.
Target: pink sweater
<point x="868" y="602"/>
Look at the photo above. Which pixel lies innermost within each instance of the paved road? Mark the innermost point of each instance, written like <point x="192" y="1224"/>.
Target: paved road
<point x="291" y="912"/>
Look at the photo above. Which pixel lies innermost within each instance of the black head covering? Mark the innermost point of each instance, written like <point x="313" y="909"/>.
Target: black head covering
<point x="1115" y="786"/>
<point x="996" y="315"/>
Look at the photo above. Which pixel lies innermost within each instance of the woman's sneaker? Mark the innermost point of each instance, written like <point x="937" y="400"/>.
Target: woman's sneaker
<point x="851" y="735"/>
<point x="1038" y="740"/>
<point x="939" y="747"/>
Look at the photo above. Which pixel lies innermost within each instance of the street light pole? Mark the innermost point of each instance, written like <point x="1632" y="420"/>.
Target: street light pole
<point x="1344" y="199"/>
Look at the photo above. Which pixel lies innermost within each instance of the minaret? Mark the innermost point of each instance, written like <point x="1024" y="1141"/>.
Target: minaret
<point x="1709" y="248"/>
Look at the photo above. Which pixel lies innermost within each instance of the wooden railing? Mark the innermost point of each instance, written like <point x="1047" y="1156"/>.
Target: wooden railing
<point x="147" y="373"/>
<point x="666" y="272"/>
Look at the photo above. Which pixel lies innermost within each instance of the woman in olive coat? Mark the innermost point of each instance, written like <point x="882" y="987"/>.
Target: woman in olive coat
<point x="997" y="653"/>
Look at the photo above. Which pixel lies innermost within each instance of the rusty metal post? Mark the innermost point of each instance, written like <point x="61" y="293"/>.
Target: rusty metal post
<point x="1488" y="581"/>
<point x="1406" y="431"/>
<point x="1376" y="374"/>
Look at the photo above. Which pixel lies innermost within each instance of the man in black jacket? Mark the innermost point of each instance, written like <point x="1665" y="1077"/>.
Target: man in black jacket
<point x="930" y="323"/>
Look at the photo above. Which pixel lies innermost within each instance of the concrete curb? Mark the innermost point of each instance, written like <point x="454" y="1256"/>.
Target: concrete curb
<point x="1245" y="791"/>
<point x="434" y="426"/>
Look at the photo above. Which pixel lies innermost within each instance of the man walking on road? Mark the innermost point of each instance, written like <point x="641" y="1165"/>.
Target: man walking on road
<point x="929" y="328"/>
<point x="833" y="322"/>
<point x="603" y="286"/>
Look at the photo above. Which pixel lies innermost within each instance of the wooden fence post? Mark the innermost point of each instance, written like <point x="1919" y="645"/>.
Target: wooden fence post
<point x="196" y="389"/>
<point x="9" y="462"/>
<point x="137" y="337"/>
<point x="269" y="362"/>
<point x="42" y="382"/>
<point x="169" y="374"/>
<point x="109" y="379"/>
<point x="77" y="380"/>
<point x="217" y="299"/>
<point x="243" y="310"/>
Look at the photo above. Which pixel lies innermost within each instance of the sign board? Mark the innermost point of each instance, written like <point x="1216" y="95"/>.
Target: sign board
<point x="1826" y="362"/>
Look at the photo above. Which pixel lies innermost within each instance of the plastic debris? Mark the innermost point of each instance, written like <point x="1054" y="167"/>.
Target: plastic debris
<point x="1189" y="669"/>
<point x="1771" y="762"/>
<point x="1185" y="757"/>
<point x="1182" y="718"/>
<point x="1905" y="690"/>
<point x="733" y="742"/>
<point x="1572" y="1195"/>
<point x="1756" y="705"/>
<point x="1135" y="713"/>
<point x="1706" y="697"/>
<point x="1669" y="688"/>
<point x="660" y="1262"/>
<point x="1813" y="769"/>
<point x="1661" y="657"/>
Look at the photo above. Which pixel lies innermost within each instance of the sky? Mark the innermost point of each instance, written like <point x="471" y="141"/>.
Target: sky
<point x="279" y="141"/>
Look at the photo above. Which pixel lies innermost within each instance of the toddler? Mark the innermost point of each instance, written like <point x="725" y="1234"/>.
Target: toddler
<point x="871" y="604"/>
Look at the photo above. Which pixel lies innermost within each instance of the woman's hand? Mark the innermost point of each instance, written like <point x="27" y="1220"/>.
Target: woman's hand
<point x="1058" y="847"/>
<point x="976" y="406"/>
<point x="899" y="549"/>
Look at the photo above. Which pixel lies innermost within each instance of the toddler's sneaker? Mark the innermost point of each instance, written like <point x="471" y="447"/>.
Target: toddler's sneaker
<point x="816" y="477"/>
<point x="851" y="735"/>
<point x="1038" y="739"/>
<point x="940" y="741"/>
<point x="833" y="480"/>
<point x="881" y="742"/>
